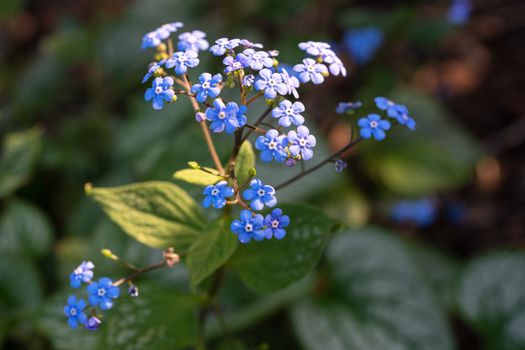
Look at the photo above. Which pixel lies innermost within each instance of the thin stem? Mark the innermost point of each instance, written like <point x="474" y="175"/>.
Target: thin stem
<point x="327" y="160"/>
<point x="170" y="47"/>
<point x="140" y="272"/>
<point x="256" y="129"/>
<point x="254" y="98"/>
<point x="257" y="122"/>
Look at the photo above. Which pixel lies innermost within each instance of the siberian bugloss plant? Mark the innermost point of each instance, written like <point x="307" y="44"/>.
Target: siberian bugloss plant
<point x="269" y="244"/>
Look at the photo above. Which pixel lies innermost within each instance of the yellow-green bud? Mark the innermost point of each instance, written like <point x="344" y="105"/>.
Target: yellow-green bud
<point x="162" y="47"/>
<point x="194" y="165"/>
<point x="252" y="172"/>
<point x="109" y="254"/>
<point x="174" y="98"/>
<point x="325" y="74"/>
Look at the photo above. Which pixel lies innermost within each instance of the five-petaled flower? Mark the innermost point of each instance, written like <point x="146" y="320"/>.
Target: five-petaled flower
<point x="193" y="41"/>
<point x="207" y="87"/>
<point x="182" y="60"/>
<point x="249" y="226"/>
<point x="314" y="48"/>
<point x="256" y="60"/>
<point x="311" y="70"/>
<point x="224" y="117"/>
<point x="272" y="146"/>
<point x="260" y="195"/>
<point x="301" y="143"/>
<point x="224" y="44"/>
<point x="289" y="113"/>
<point x="231" y="64"/>
<point x="216" y="194"/>
<point x="74" y="310"/>
<point x="271" y="83"/>
<point x="291" y="82"/>
<point x="155" y="66"/>
<point x="397" y="111"/>
<point x="160" y="92"/>
<point x="102" y="293"/>
<point x="275" y="224"/>
<point x="373" y="126"/>
<point x="83" y="273"/>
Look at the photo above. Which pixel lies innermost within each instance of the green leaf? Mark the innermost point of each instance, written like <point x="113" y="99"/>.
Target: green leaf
<point x="491" y="296"/>
<point x="159" y="318"/>
<point x="375" y="299"/>
<point x="271" y="265"/>
<point x="158" y="214"/>
<point x="210" y="252"/>
<point x="24" y="229"/>
<point x="19" y="154"/>
<point x="245" y="161"/>
<point x="21" y="285"/>
<point x="197" y="177"/>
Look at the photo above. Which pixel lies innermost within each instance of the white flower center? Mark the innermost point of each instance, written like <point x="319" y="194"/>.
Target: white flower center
<point x="214" y="192"/>
<point x="101" y="292"/>
<point x="275" y="223"/>
<point x="248" y="228"/>
<point x="73" y="312"/>
<point x="271" y="82"/>
<point x="310" y="68"/>
<point x="222" y="115"/>
<point x="373" y="124"/>
<point x="206" y="85"/>
<point x="158" y="89"/>
<point x="261" y="192"/>
<point x="302" y="142"/>
<point x="289" y="111"/>
<point x="390" y="103"/>
<point x="272" y="145"/>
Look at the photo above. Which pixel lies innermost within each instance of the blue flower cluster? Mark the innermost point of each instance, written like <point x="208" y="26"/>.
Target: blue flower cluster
<point x="422" y="212"/>
<point x="101" y="294"/>
<point x="363" y="43"/>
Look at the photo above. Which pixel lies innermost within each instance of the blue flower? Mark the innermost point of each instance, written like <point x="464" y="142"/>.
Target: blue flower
<point x="155" y="66"/>
<point x="260" y="195"/>
<point x="249" y="226"/>
<point x="83" y="273"/>
<point x="289" y="113"/>
<point x="215" y="195"/>
<point x="291" y="82"/>
<point x="373" y="126"/>
<point x="133" y="291"/>
<point x="160" y="92"/>
<point x="240" y="115"/>
<point x="346" y="107"/>
<point x="271" y="83"/>
<point x="151" y="39"/>
<point x="102" y="293"/>
<point x="275" y="224"/>
<point x="272" y="146"/>
<point x="224" y="117"/>
<point x="311" y="70"/>
<point x="154" y="38"/>
<point x="249" y="45"/>
<point x="231" y="64"/>
<point x="340" y="165"/>
<point x="394" y="110"/>
<point x="93" y="323"/>
<point x="301" y="143"/>
<point x="363" y="43"/>
<point x="207" y="87"/>
<point x="74" y="310"/>
<point x="224" y="44"/>
<point x="335" y="65"/>
<point x="193" y="41"/>
<point x="256" y="60"/>
<point x="422" y="211"/>
<point x="248" y="80"/>
<point x="313" y="48"/>
<point x="459" y="12"/>
<point x="182" y="60"/>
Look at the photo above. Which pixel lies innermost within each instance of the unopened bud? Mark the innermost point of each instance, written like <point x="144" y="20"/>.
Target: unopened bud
<point x="162" y="47"/>
<point x="252" y="172"/>
<point x="109" y="254"/>
<point x="171" y="257"/>
<point x="200" y="117"/>
<point x="133" y="291"/>
<point x="290" y="162"/>
<point x="93" y="323"/>
<point x="194" y="165"/>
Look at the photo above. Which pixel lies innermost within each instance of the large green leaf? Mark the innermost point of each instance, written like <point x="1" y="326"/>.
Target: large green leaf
<point x="245" y="161"/>
<point x="24" y="229"/>
<point x="20" y="287"/>
<point x="273" y="264"/>
<point x="158" y="319"/>
<point x="492" y="297"/>
<point x="19" y="154"/>
<point x="197" y="177"/>
<point x="158" y="214"/>
<point x="376" y="300"/>
<point x="210" y="252"/>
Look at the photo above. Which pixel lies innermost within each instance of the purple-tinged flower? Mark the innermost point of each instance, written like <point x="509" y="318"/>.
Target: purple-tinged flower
<point x="154" y="66"/>
<point x="249" y="45"/>
<point x="93" y="323"/>
<point x="313" y="48"/>
<point x="335" y="65"/>
<point x="231" y="64"/>
<point x="200" y="117"/>
<point x="133" y="291"/>
<point x="291" y="82"/>
<point x="151" y="39"/>
<point x="248" y="80"/>
<point x="289" y="113"/>
<point x="223" y="117"/>
<point x="165" y="30"/>
<point x="160" y="92"/>
<point x="301" y="143"/>
<point x="215" y="195"/>
<point x="290" y="162"/>
<point x="256" y="60"/>
<point x="260" y="195"/>
<point x="207" y="87"/>
<point x="363" y="43"/>
<point x="249" y="226"/>
<point x="311" y="70"/>
<point x="271" y="83"/>
<point x="83" y="273"/>
<point x="102" y="293"/>
<point x="193" y="41"/>
<point x="275" y="224"/>
<point x="403" y="117"/>
<point x="340" y="165"/>
<point x="272" y="146"/>
<point x="224" y="44"/>
<point x="74" y="310"/>
<point x="182" y="60"/>
<point x="347" y="107"/>
<point x="273" y="53"/>
<point x="373" y="126"/>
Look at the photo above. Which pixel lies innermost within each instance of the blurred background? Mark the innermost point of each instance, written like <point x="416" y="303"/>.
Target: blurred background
<point x="72" y="112"/>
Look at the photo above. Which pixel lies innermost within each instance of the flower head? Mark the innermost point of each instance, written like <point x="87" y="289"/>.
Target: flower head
<point x="215" y="195"/>
<point x="301" y="143"/>
<point x="193" y="41"/>
<point x="160" y="92"/>
<point x="224" y="44"/>
<point x="182" y="60"/>
<point x="363" y="43"/>
<point x="93" y="323"/>
<point x="311" y="70"/>
<point x="373" y="126"/>
<point x="291" y="82"/>
<point x="74" y="310"/>
<point x="250" y="45"/>
<point x="249" y="226"/>
<point x="231" y="64"/>
<point x="256" y="60"/>
<point x="102" y="293"/>
<point x="83" y="273"/>
<point x="313" y="48"/>
<point x="133" y="291"/>
<point x="272" y="146"/>
<point x="346" y="107"/>
<point x="335" y="65"/>
<point x="155" y="66"/>
<point x="289" y="113"/>
<point x="260" y="195"/>
<point x="275" y="224"/>
<point x="394" y="110"/>
<point x="340" y="165"/>
<point x="248" y="80"/>
<point x="271" y="83"/>
<point x="154" y="38"/>
<point x="151" y="39"/>
<point x="207" y="87"/>
<point x="224" y="117"/>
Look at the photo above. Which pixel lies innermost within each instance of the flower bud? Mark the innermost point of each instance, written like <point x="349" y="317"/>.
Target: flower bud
<point x="133" y="291"/>
<point x="109" y="254"/>
<point x="171" y="257"/>
<point x="200" y="117"/>
<point x="252" y="172"/>
<point x="174" y="98"/>
<point x="93" y="323"/>
<point x="290" y="162"/>
<point x="194" y="165"/>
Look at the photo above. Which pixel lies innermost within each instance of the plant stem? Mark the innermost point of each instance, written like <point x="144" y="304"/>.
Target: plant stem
<point x="327" y="160"/>
<point x="254" y="98"/>
<point x="205" y="309"/>
<point x="140" y="272"/>
<point x="257" y="122"/>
